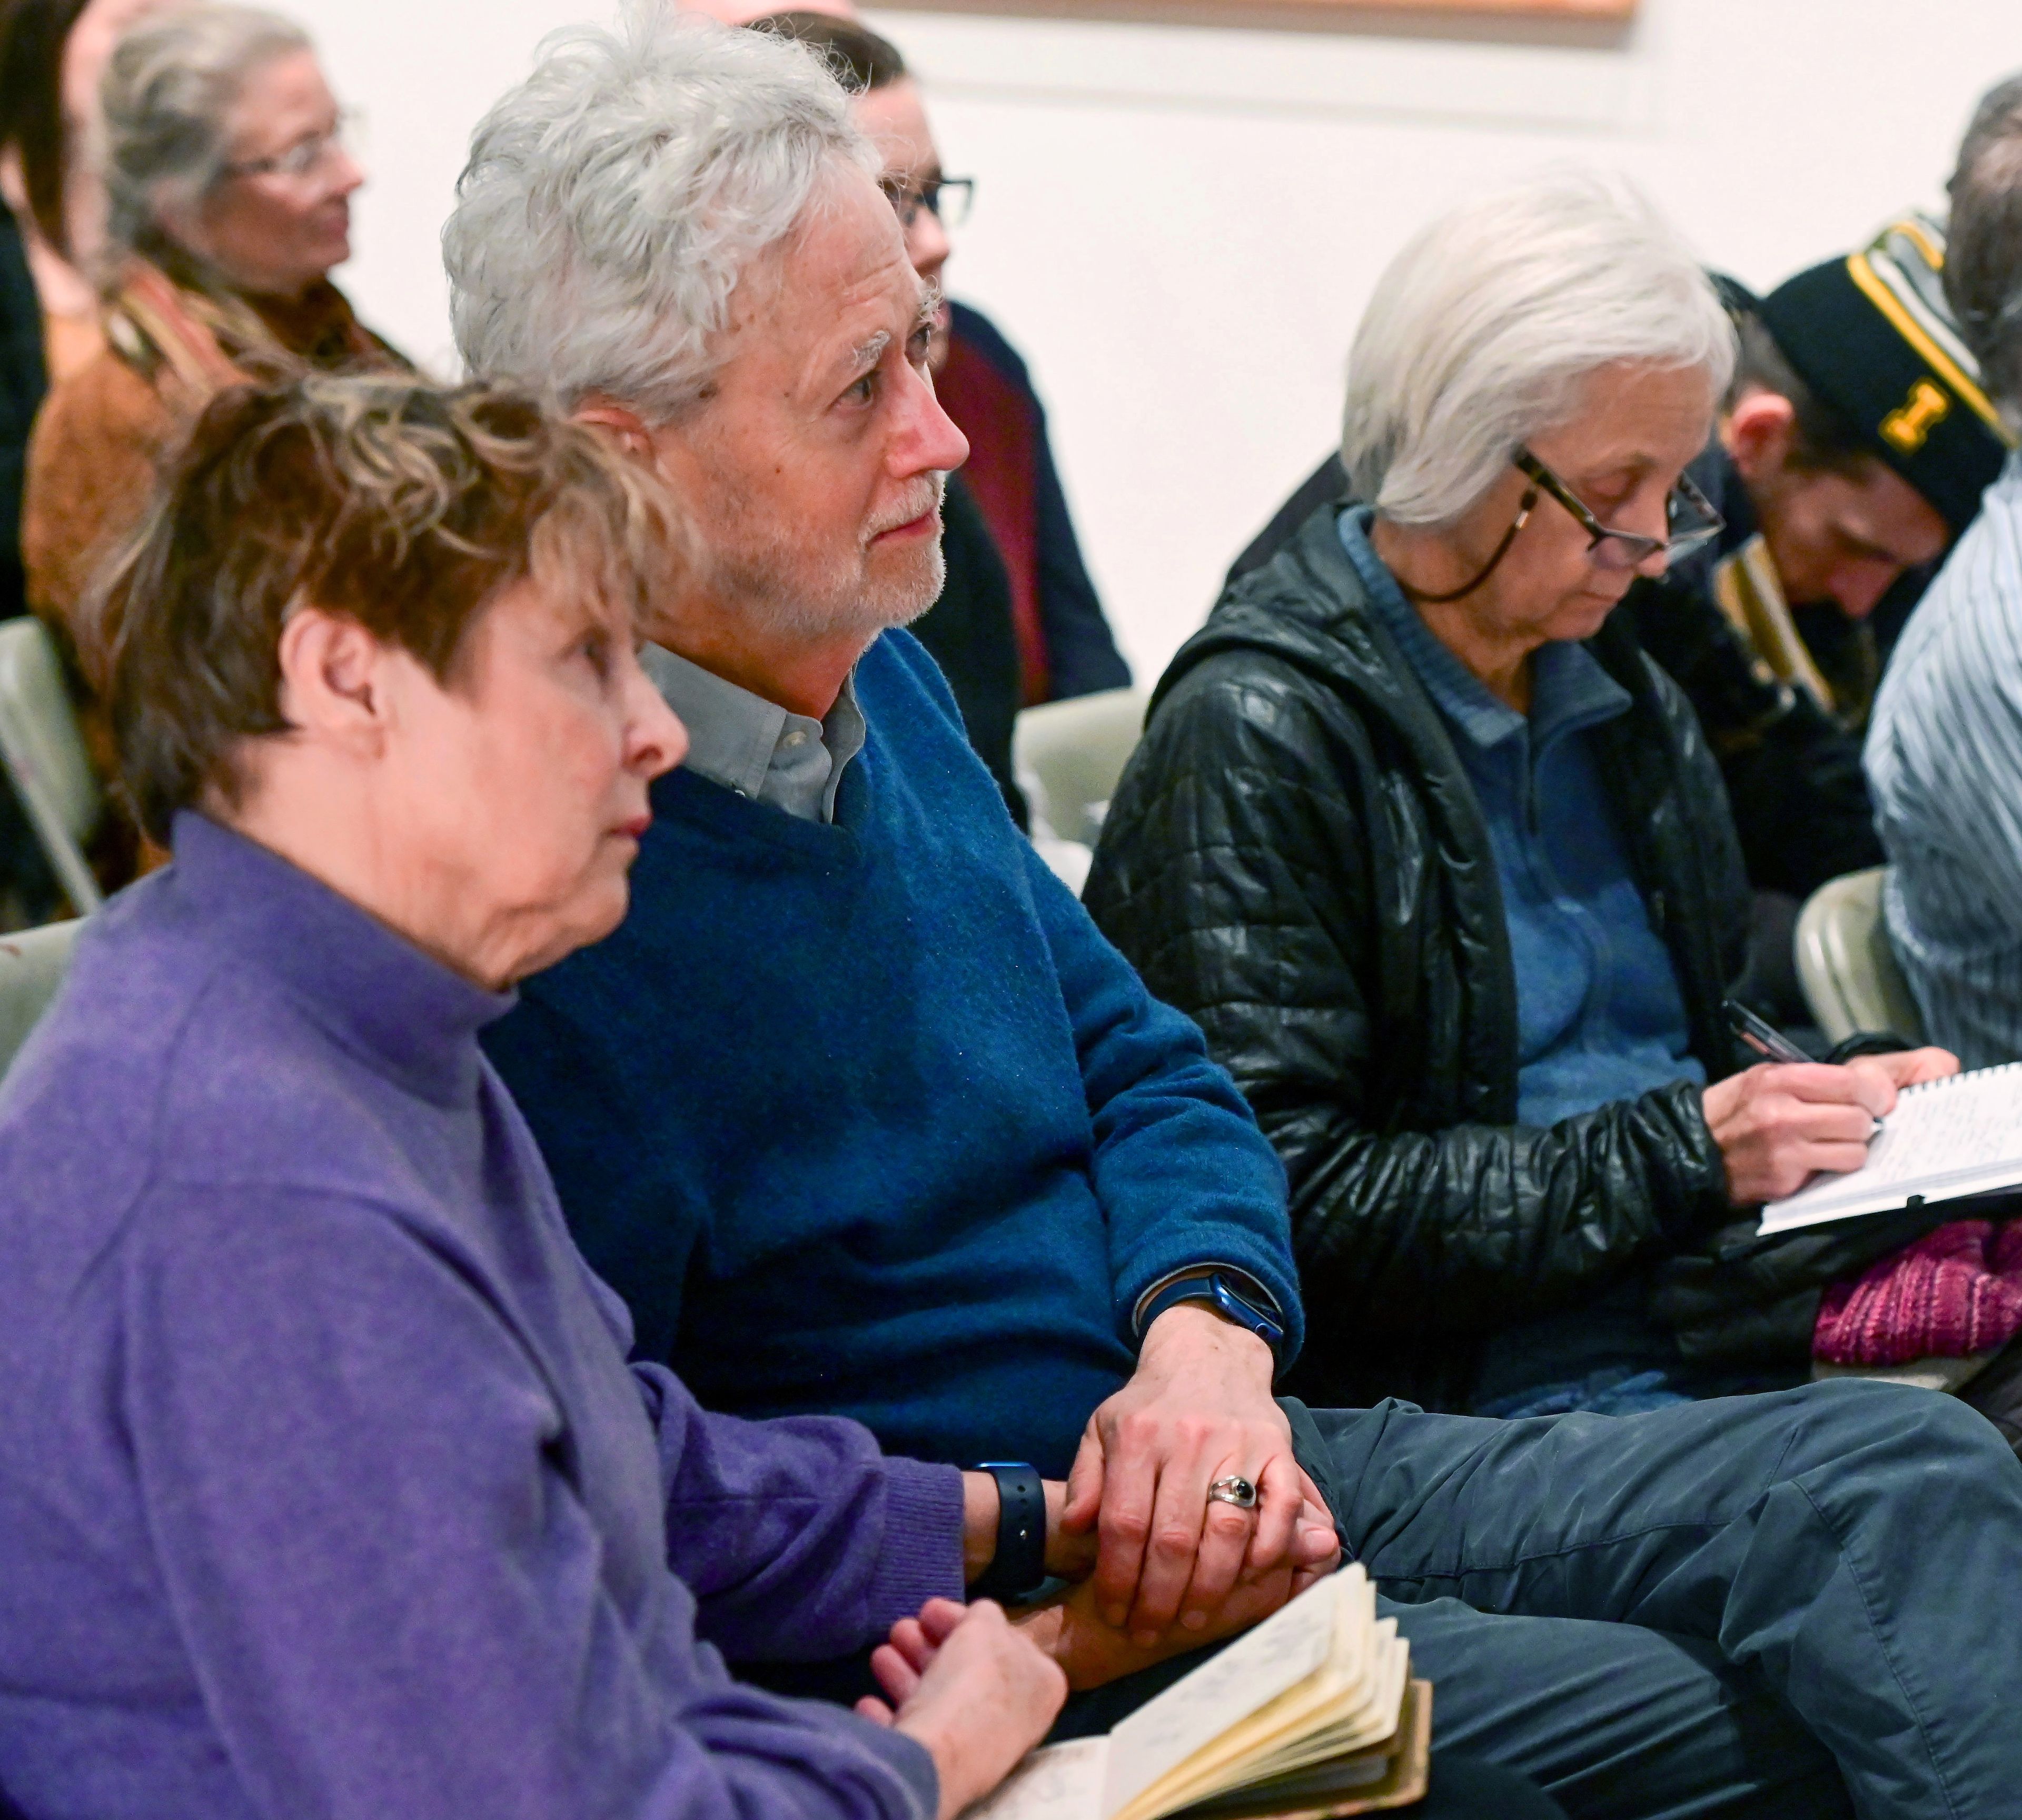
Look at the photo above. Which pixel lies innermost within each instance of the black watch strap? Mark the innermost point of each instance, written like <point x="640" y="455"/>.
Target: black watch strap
<point x="1018" y="1569"/>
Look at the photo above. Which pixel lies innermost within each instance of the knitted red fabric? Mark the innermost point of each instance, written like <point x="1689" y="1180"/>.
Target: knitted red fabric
<point x="1957" y="1291"/>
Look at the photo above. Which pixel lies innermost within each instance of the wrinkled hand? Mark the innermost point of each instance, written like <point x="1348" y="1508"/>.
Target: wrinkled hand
<point x="1778" y="1123"/>
<point x="1092" y="1651"/>
<point x="973" y="1691"/>
<point x="1197" y="1408"/>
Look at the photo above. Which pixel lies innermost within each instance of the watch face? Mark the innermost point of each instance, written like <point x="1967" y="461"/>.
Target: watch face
<point x="1247" y="1312"/>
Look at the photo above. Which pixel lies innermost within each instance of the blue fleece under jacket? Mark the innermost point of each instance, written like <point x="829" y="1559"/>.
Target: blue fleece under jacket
<point x="869" y="1119"/>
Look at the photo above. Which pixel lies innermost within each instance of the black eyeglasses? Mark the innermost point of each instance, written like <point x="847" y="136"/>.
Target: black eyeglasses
<point x="946" y="198"/>
<point x="1689" y="516"/>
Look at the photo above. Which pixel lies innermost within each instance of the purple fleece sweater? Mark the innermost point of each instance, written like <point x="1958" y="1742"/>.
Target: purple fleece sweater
<point x="325" y="1488"/>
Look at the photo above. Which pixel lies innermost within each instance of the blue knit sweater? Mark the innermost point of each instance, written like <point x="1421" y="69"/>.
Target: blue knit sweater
<point x="868" y="1119"/>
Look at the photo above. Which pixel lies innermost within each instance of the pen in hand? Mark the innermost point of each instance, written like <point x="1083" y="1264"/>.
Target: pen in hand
<point x="1764" y="1038"/>
<point x="1767" y="1042"/>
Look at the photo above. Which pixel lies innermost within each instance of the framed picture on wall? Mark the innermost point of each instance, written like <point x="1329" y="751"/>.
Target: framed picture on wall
<point x="1442" y="17"/>
<point x="1572" y="9"/>
<point x="1591" y="9"/>
<point x="1543" y="9"/>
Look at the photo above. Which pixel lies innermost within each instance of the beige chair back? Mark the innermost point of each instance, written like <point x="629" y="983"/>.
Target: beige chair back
<point x="1068" y="755"/>
<point x="1848" y="971"/>
<point x="33" y="963"/>
<point x="44" y="756"/>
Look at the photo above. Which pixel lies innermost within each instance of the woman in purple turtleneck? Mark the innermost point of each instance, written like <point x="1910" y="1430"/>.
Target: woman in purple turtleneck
<point x="325" y="1488"/>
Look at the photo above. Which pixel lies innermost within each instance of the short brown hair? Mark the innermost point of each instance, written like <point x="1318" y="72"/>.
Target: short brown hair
<point x="404" y="506"/>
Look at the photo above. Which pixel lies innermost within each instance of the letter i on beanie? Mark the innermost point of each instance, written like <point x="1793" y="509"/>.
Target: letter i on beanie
<point x="1871" y="335"/>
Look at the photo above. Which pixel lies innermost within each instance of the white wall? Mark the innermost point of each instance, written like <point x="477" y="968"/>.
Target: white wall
<point x="1178" y="225"/>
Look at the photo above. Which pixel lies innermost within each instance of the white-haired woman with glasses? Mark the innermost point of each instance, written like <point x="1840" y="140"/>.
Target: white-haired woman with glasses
<point x="228" y="188"/>
<point x="1441" y="862"/>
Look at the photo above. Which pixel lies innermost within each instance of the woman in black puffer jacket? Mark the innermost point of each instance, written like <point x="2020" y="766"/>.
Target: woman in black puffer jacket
<point x="1442" y="866"/>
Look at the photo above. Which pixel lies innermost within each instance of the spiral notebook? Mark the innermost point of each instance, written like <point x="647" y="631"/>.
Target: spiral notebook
<point x="1312" y="1713"/>
<point x="1946" y="1141"/>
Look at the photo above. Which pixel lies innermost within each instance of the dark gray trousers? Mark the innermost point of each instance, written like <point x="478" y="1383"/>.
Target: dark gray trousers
<point x="1802" y="1604"/>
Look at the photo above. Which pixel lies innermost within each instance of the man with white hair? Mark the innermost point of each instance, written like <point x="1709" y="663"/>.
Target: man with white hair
<point x="858" y="1111"/>
<point x="871" y="1122"/>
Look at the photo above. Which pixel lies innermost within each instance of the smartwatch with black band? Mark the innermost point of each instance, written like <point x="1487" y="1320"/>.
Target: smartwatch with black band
<point x="1018" y="1569"/>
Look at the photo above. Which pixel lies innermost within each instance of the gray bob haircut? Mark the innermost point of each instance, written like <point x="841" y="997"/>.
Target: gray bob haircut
<point x="167" y="90"/>
<point x="614" y="199"/>
<point x="1483" y="330"/>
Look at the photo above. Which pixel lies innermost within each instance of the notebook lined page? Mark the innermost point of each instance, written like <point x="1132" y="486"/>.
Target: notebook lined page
<point x="1945" y="1138"/>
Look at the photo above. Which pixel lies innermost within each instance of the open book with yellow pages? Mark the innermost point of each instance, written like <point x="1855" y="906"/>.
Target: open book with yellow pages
<point x="1313" y="1712"/>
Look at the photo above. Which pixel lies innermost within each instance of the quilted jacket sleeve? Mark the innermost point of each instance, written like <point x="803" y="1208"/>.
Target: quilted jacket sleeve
<point x="1266" y="867"/>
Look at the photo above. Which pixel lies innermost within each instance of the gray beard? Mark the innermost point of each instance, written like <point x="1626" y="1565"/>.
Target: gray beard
<point x="760" y="578"/>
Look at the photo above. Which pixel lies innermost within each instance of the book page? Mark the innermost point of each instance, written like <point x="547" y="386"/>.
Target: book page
<point x="1341" y="1686"/>
<point x="1388" y="1777"/>
<point x="1945" y="1138"/>
<point x="1363" y="1723"/>
<point x="1064" y="1781"/>
<point x="1255" y="1670"/>
<point x="1334" y="1696"/>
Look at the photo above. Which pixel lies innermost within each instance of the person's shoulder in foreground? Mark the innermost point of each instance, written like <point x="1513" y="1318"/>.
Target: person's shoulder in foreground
<point x="983" y="1142"/>
<point x="255" y="1331"/>
<point x="1944" y="763"/>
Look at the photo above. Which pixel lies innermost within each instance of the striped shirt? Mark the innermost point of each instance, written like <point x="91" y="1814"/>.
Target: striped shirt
<point x="1944" y="764"/>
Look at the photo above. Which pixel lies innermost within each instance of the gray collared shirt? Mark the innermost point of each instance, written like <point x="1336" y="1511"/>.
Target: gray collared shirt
<point x="756" y="747"/>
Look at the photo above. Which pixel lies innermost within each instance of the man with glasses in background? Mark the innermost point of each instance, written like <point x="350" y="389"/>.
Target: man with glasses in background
<point x="1018" y="620"/>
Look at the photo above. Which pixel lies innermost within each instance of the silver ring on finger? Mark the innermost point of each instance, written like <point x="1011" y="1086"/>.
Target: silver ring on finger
<point x="1233" y="1489"/>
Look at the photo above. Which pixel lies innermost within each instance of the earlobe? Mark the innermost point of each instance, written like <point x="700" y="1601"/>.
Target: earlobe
<point x="329" y="674"/>
<point x="1757" y="433"/>
<point x="621" y="423"/>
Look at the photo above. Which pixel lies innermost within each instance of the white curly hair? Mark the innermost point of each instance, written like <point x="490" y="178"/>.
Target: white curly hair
<point x="613" y="201"/>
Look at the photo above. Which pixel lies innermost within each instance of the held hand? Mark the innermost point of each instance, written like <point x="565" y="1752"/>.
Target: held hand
<point x="974" y="1692"/>
<point x="1197" y="1410"/>
<point x="1070" y="1629"/>
<point x="1777" y="1124"/>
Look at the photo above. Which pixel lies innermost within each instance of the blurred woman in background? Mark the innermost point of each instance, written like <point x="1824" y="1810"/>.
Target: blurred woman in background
<point x="228" y="202"/>
<point x="52" y="227"/>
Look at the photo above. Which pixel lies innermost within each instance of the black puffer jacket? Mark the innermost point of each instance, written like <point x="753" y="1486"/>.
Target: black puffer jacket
<point x="1296" y="858"/>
